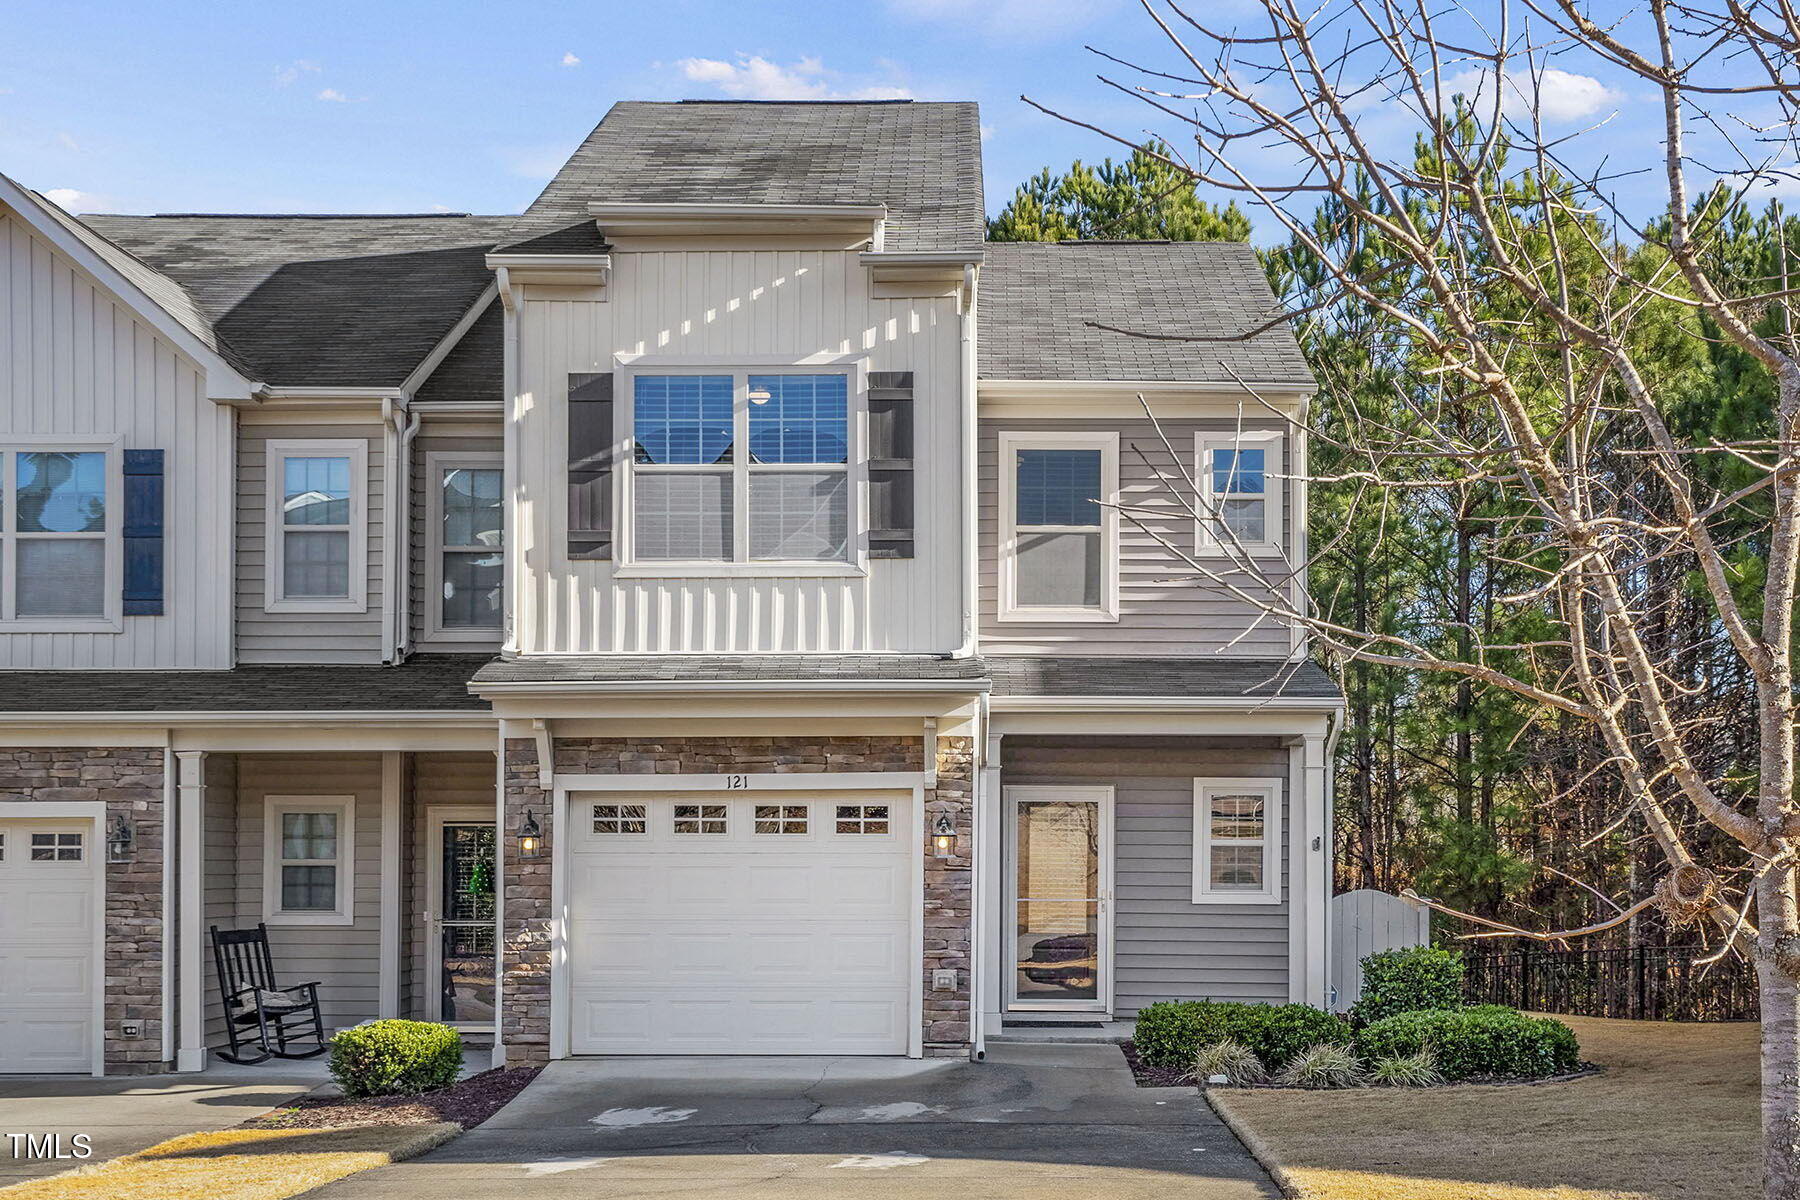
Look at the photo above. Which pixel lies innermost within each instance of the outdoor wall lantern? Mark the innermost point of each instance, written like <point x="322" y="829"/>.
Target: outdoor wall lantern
<point x="944" y="835"/>
<point x="531" y="838"/>
<point x="119" y="839"/>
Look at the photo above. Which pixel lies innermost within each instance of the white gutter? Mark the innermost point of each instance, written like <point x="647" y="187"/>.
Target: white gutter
<point x="734" y="687"/>
<point x="1156" y="703"/>
<point x="471" y="719"/>
<point x="971" y="483"/>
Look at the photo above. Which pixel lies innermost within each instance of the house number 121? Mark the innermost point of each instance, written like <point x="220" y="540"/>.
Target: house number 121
<point x="737" y="782"/>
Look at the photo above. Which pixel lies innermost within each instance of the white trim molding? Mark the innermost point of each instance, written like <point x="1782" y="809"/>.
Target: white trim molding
<point x="276" y="452"/>
<point x="1206" y="791"/>
<point x="437" y="463"/>
<point x="109" y="619"/>
<point x="343" y="911"/>
<point x="1013" y="441"/>
<point x="1208" y="538"/>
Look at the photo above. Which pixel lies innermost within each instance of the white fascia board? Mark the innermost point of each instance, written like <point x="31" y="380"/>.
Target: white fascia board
<point x="530" y="262"/>
<point x="1234" y="704"/>
<point x="448" y="342"/>
<point x="470" y="720"/>
<point x="922" y="258"/>
<point x="577" y="687"/>
<point x="605" y="210"/>
<point x="1246" y="391"/>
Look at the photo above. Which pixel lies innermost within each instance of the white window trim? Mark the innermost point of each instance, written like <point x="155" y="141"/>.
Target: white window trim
<point x="1207" y="539"/>
<point x="740" y="368"/>
<point x="111" y="617"/>
<point x="273" y="808"/>
<point x="436" y="463"/>
<point x="1204" y="790"/>
<point x="1107" y="442"/>
<point x="275" y="452"/>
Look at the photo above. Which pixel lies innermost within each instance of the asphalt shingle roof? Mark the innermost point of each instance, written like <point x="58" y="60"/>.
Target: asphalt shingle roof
<point x="426" y="683"/>
<point x="1037" y="297"/>
<point x="1215" y="678"/>
<point x="736" y="668"/>
<point x="475" y="368"/>
<point x="318" y="301"/>
<point x="923" y="160"/>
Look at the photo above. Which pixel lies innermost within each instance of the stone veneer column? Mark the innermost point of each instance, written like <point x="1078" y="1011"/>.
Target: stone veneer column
<point x="525" y="923"/>
<point x="949" y="911"/>
<point x="130" y="781"/>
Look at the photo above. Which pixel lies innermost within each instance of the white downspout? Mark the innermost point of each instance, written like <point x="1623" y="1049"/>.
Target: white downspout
<point x="390" y="446"/>
<point x="971" y="483"/>
<point x="403" y="542"/>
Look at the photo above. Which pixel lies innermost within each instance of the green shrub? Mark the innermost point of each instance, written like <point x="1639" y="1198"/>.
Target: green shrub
<point x="1170" y="1033"/>
<point x="1322" y="1066"/>
<point x="1410" y="980"/>
<point x="396" y="1058"/>
<point x="1487" y="1040"/>
<point x="1237" y="1063"/>
<point x="1407" y="1070"/>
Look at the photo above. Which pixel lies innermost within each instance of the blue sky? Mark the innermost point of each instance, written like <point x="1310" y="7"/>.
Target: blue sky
<point x="386" y="106"/>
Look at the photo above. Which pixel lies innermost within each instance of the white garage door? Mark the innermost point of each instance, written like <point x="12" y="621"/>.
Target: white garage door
<point x="46" y="946"/>
<point x="761" y="924"/>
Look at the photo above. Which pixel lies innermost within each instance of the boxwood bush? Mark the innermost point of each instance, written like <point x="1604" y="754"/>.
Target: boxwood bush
<point x="1171" y="1032"/>
<point x="1488" y="1040"/>
<point x="395" y="1058"/>
<point x="1409" y="980"/>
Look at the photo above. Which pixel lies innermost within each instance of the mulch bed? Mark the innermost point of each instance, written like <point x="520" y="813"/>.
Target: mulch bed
<point x="467" y="1102"/>
<point x="1149" y="1076"/>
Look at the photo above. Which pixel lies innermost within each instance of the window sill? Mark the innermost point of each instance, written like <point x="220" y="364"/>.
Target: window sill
<point x="308" y="918"/>
<point x="316" y="606"/>
<point x="57" y="625"/>
<point x="1250" y="550"/>
<point x="1057" y="616"/>
<point x="1236" y="898"/>
<point x="745" y="570"/>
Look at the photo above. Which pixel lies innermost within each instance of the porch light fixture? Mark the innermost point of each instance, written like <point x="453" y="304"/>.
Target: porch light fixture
<point x="120" y="836"/>
<point x="531" y="838"/>
<point x="943" y="834"/>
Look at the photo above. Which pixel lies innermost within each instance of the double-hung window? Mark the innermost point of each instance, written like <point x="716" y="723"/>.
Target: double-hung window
<point x="317" y="527"/>
<point x="466" y="516"/>
<point x="308" y="864"/>
<point x="1059" y="541"/>
<point x="741" y="467"/>
<point x="1240" y="493"/>
<point x="1237" y="841"/>
<point x="58" y="536"/>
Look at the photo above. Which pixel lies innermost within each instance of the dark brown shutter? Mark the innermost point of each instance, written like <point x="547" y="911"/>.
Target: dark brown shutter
<point x="891" y="426"/>
<point x="590" y="466"/>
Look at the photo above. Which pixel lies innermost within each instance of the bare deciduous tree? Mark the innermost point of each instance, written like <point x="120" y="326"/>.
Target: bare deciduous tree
<point x="1521" y="292"/>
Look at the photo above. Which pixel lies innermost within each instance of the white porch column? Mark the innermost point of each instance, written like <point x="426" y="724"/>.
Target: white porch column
<point x="190" y="1054"/>
<point x="988" y="833"/>
<point x="393" y="789"/>
<point x="1316" y="855"/>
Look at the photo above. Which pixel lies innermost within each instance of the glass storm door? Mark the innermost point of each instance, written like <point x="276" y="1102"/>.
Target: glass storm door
<point x="1061" y="885"/>
<point x="465" y="923"/>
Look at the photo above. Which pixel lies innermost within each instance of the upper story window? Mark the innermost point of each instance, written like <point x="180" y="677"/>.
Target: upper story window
<point x="59" y="536"/>
<point x="1059" y="536"/>
<point x="1240" y="501"/>
<point x="467" y="526"/>
<point x="741" y="467"/>
<point x="316" y="553"/>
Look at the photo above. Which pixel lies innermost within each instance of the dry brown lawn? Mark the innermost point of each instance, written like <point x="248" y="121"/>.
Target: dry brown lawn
<point x="1673" y="1115"/>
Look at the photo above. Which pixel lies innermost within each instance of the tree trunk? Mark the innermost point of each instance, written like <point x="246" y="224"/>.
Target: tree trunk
<point x="1780" y="996"/>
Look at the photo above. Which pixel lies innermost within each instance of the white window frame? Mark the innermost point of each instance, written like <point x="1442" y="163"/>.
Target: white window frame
<point x="1104" y="798"/>
<point x="345" y="911"/>
<point x="1208" y="530"/>
<point x="1204" y="891"/>
<point x="276" y="452"/>
<point x="740" y="368"/>
<point x="1107" y="442"/>
<point x="110" y="619"/>
<point x="436" y="463"/>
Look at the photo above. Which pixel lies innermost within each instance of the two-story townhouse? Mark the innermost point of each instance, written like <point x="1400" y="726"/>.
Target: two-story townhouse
<point x="727" y="608"/>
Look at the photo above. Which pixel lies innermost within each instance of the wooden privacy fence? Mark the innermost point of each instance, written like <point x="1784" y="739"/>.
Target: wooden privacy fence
<point x="1365" y="922"/>
<point x="1644" y="983"/>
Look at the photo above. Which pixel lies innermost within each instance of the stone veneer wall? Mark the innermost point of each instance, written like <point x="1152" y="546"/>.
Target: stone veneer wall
<point x="130" y="781"/>
<point x="525" y="932"/>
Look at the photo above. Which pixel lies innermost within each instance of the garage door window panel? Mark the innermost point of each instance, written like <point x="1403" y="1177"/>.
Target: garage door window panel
<point x="706" y="820"/>
<point x="57" y="847"/>
<point x="785" y="819"/>
<point x="620" y="820"/>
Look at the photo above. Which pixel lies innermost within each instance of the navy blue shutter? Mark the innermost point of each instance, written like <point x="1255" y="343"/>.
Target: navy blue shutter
<point x="143" y="529"/>
<point x="590" y="466"/>
<point x="891" y="427"/>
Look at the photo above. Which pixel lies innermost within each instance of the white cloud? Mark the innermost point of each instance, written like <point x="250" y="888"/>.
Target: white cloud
<point x="66" y="140"/>
<point x="569" y="59"/>
<point x="333" y="96"/>
<point x="73" y="200"/>
<point x="756" y="78"/>
<point x="1559" y="95"/>
<point x="294" y="70"/>
<point x="987" y="131"/>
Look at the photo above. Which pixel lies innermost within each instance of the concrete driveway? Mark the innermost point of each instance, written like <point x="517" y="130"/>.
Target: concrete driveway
<point x="1033" y="1121"/>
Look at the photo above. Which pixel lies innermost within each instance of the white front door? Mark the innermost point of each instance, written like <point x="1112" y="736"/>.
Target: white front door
<point x="48" y="990"/>
<point x="1061" y="898"/>
<point x="709" y="923"/>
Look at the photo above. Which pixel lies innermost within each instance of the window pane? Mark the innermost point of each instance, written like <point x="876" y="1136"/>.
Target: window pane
<point x="308" y="835"/>
<point x="315" y="491"/>
<point x="315" y="564"/>
<point x="1060" y="569"/>
<point x="1246" y="519"/>
<point x="805" y="419"/>
<point x="308" y="889"/>
<point x="1237" y="867"/>
<point x="799" y="515"/>
<point x="61" y="492"/>
<point x="1237" y="472"/>
<point x="1237" y="816"/>
<point x="1058" y="487"/>
<point x="472" y="515"/>
<point x="1057" y="947"/>
<point x="682" y="418"/>
<point x="682" y="518"/>
<point x="472" y="590"/>
<point x="62" y="577"/>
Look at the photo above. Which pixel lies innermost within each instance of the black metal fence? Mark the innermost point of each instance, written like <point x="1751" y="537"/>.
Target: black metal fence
<point x="1646" y="983"/>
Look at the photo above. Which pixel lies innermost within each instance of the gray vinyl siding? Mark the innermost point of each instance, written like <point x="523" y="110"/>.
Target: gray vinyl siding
<point x="421" y="570"/>
<point x="1166" y="947"/>
<point x="219" y="840"/>
<point x="438" y="780"/>
<point x="265" y="637"/>
<point x="1163" y="609"/>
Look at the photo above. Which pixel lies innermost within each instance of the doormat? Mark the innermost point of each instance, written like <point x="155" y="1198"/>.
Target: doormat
<point x="1053" y="1025"/>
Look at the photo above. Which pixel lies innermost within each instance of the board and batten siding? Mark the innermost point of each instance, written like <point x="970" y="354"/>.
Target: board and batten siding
<point x="75" y="359"/>
<point x="302" y="637"/>
<point x="734" y="304"/>
<point x="1166" y="947"/>
<point x="420" y="569"/>
<point x="1164" y="610"/>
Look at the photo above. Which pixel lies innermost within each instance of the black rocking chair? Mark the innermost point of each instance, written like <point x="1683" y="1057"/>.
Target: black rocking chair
<point x="253" y="1000"/>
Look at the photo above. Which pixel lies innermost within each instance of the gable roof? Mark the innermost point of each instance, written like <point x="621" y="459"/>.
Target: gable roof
<point x="318" y="301"/>
<point x="923" y="160"/>
<point x="1037" y="297"/>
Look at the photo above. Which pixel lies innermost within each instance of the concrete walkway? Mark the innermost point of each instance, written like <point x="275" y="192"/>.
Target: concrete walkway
<point x="1042" y="1121"/>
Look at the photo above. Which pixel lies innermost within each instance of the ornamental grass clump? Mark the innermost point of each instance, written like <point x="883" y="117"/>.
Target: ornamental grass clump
<point x="1407" y="1070"/>
<point x="1325" y="1065"/>
<point x="396" y="1058"/>
<point x="1236" y="1062"/>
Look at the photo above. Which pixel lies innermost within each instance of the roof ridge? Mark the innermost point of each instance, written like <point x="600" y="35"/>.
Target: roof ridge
<point x="346" y="216"/>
